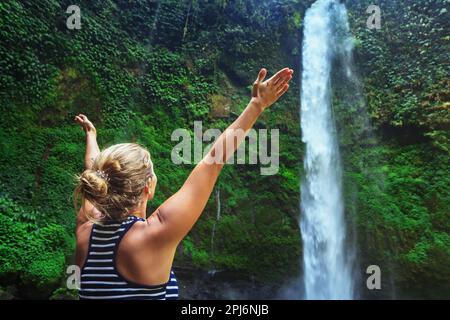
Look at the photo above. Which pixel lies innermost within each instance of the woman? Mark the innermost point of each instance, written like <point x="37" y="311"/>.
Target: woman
<point x="121" y="253"/>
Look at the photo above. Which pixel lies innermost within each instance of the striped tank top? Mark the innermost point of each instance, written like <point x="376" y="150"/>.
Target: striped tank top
<point x="101" y="280"/>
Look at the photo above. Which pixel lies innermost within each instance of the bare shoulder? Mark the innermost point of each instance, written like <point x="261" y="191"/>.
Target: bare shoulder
<point x="158" y="229"/>
<point x="82" y="244"/>
<point x="144" y="232"/>
<point x="147" y="236"/>
<point x="84" y="230"/>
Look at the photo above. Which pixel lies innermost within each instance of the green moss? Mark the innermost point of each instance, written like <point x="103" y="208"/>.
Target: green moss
<point x="139" y="76"/>
<point x="32" y="258"/>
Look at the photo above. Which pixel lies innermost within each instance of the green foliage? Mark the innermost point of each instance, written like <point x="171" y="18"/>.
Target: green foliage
<point x="405" y="64"/>
<point x="199" y="257"/>
<point x="140" y="69"/>
<point x="402" y="211"/>
<point x="31" y="257"/>
<point x="64" y="294"/>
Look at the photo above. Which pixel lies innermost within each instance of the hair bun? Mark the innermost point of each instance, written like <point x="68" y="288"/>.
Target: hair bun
<point x="95" y="186"/>
<point x="117" y="182"/>
<point x="112" y="165"/>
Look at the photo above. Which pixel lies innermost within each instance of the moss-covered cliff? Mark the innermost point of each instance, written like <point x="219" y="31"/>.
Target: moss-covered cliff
<point x="140" y="69"/>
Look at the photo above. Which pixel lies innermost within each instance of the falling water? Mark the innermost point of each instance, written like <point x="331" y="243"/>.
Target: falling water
<point x="218" y="215"/>
<point x="154" y="24"/>
<point x="212" y="271"/>
<point x="327" y="266"/>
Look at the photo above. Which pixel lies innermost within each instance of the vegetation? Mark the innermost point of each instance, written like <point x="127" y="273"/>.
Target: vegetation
<point x="140" y="69"/>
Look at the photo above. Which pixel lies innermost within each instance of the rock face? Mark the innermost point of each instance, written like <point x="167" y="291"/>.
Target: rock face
<point x="142" y="69"/>
<point x="201" y="285"/>
<point x="220" y="106"/>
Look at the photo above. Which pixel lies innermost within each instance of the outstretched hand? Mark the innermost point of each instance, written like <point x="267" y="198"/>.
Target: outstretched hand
<point x="266" y="93"/>
<point x="85" y="124"/>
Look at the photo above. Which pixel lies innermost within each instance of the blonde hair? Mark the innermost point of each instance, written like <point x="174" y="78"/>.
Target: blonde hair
<point x="116" y="181"/>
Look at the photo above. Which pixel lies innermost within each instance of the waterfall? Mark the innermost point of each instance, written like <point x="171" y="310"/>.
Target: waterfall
<point x="218" y="215"/>
<point x="218" y="205"/>
<point x="326" y="262"/>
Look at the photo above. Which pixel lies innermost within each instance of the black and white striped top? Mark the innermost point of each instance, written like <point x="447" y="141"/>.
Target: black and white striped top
<point x="99" y="276"/>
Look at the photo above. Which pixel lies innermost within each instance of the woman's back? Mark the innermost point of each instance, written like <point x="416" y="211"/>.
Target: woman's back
<point x="100" y="278"/>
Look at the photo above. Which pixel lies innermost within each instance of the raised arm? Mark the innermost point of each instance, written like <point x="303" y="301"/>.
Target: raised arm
<point x="92" y="151"/>
<point x="176" y="216"/>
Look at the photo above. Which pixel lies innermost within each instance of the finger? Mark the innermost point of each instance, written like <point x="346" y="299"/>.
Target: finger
<point x="278" y="76"/>
<point x="262" y="75"/>
<point x="283" y="90"/>
<point x="86" y="122"/>
<point x="82" y="123"/>
<point x="283" y="81"/>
